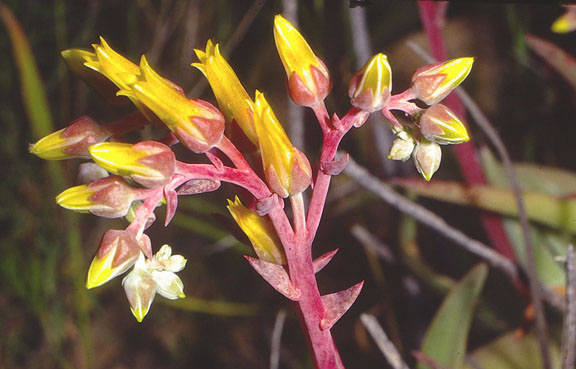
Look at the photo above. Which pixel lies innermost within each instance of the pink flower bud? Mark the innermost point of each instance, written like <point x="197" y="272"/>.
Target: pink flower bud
<point x="433" y="83"/>
<point x="439" y="124"/>
<point x="370" y="88"/>
<point x="427" y="156"/>
<point x="109" y="197"/>
<point x="118" y="251"/>
<point x="71" y="142"/>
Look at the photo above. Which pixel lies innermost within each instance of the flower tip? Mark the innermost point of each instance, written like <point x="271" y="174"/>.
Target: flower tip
<point x="561" y="25"/>
<point x="98" y="273"/>
<point x="139" y="313"/>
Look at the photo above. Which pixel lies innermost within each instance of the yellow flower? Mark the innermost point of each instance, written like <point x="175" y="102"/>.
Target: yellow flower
<point x="308" y="77"/>
<point x="260" y="231"/>
<point x="287" y="170"/>
<point x="121" y="71"/>
<point x="371" y="87"/>
<point x="196" y="123"/>
<point x="233" y="100"/>
<point x="433" y="83"/>
<point x="149" y="163"/>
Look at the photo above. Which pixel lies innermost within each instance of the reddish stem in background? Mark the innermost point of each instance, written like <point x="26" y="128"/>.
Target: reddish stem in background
<point x="431" y="14"/>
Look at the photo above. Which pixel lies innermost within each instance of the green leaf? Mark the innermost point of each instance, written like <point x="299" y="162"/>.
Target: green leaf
<point x="446" y="338"/>
<point x="513" y="352"/>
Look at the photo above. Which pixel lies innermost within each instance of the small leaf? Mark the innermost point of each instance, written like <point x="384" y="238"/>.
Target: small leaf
<point x="276" y="275"/>
<point x="171" y="204"/>
<point x="446" y="338"/>
<point x="323" y="260"/>
<point x="336" y="304"/>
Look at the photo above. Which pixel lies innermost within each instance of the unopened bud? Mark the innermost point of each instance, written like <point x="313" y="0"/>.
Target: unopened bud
<point x="149" y="163"/>
<point x="427" y="156"/>
<point x="308" y="78"/>
<point x="439" y="124"/>
<point x="433" y="83"/>
<point x="287" y="169"/>
<point x="370" y="88"/>
<point x="401" y="149"/>
<point x="118" y="252"/>
<point x="72" y="141"/>
<point x="109" y="197"/>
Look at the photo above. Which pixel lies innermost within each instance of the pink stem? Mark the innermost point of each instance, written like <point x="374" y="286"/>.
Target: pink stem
<point x="466" y="152"/>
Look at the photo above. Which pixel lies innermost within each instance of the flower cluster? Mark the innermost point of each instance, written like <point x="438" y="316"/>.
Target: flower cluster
<point x="420" y="137"/>
<point x="131" y="180"/>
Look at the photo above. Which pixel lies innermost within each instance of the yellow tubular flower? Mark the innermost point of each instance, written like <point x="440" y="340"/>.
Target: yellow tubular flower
<point x="287" y="170"/>
<point x="260" y="231"/>
<point x="308" y="77"/>
<point x="232" y="98"/>
<point x="196" y="123"/>
<point x="371" y="87"/>
<point x="433" y="83"/>
<point x="121" y="71"/>
<point x="149" y="163"/>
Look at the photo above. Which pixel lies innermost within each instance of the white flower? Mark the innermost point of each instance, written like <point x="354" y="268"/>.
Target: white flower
<point x="151" y="276"/>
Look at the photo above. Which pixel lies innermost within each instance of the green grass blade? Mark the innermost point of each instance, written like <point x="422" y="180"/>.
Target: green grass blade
<point x="446" y="338"/>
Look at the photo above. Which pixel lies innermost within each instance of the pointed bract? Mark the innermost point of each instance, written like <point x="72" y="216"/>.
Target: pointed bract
<point x="336" y="304"/>
<point x="276" y="276"/>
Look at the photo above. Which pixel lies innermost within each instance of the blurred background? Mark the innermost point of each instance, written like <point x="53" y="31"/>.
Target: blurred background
<point x="49" y="320"/>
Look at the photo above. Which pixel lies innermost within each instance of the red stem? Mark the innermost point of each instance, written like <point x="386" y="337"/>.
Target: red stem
<point x="430" y="13"/>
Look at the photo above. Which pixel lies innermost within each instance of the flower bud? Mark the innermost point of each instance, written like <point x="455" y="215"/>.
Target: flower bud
<point x="196" y="123"/>
<point x="433" y="83"/>
<point x="308" y="78"/>
<point x="109" y="197"/>
<point x="401" y="149"/>
<point x="72" y="141"/>
<point x="439" y="124"/>
<point x="287" y="170"/>
<point x="427" y="156"/>
<point x="140" y="289"/>
<point x="233" y="100"/>
<point x="260" y="231"/>
<point x="370" y="88"/>
<point x="149" y="163"/>
<point x="118" y="251"/>
<point x="566" y="22"/>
